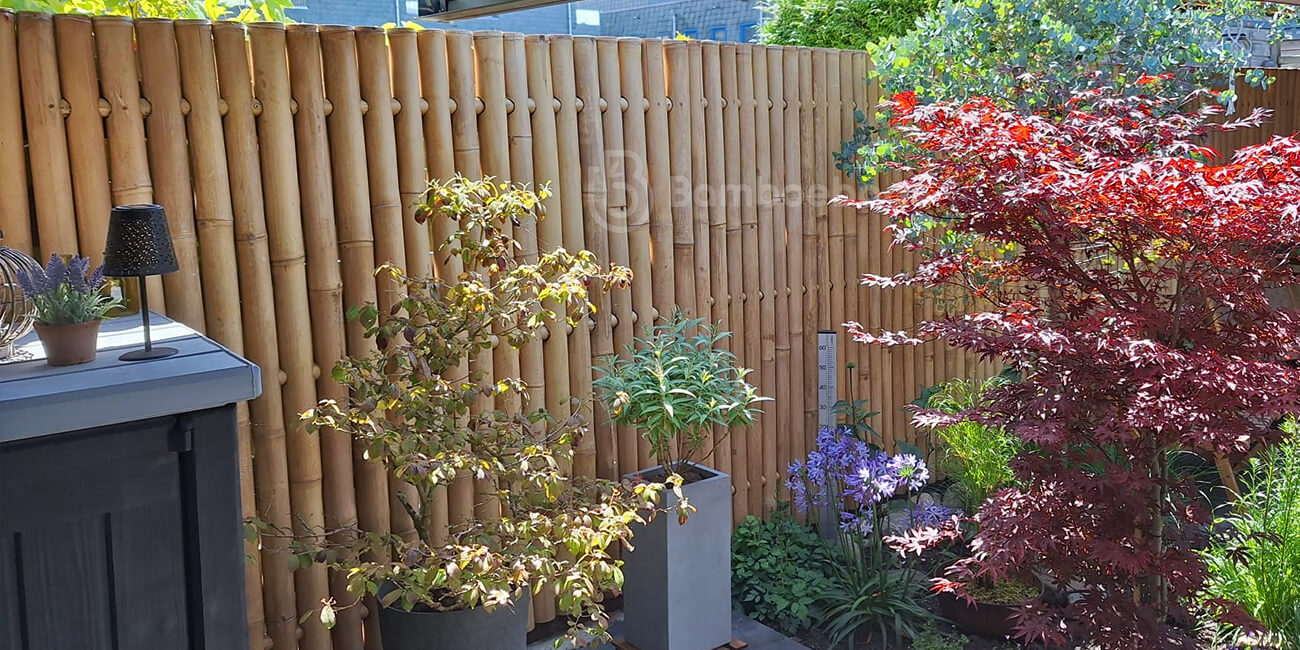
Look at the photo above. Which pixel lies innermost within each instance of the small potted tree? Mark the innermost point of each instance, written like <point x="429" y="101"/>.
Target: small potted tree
<point x="70" y="303"/>
<point x="675" y="386"/>
<point x="418" y="406"/>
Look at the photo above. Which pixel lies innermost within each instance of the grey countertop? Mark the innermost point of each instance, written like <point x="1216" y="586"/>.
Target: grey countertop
<point x="37" y="399"/>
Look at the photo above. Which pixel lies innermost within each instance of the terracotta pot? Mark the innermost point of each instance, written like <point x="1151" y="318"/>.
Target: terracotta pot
<point x="69" y="345"/>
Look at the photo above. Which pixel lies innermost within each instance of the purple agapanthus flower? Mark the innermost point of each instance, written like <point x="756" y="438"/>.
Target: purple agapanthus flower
<point x="852" y="476"/>
<point x="931" y="514"/>
<point x="909" y="470"/>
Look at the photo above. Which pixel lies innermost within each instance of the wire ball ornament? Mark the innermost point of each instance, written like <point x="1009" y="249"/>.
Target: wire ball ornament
<point x="17" y="311"/>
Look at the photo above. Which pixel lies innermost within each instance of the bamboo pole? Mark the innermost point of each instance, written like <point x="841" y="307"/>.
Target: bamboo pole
<point x="595" y="224"/>
<point x="740" y="478"/>
<point x="270" y="466"/>
<point x="128" y="161"/>
<point x="385" y="212"/>
<point x="356" y="253"/>
<point x="47" y="149"/>
<point x="215" y="224"/>
<point x="698" y="186"/>
<point x="849" y="89"/>
<point x="779" y="411"/>
<point x="717" y="178"/>
<point x="834" y="276"/>
<point x="289" y="276"/>
<point x="520" y="134"/>
<point x="88" y="160"/>
<point x="871" y="234"/>
<point x="462" y="499"/>
<point x="617" y="183"/>
<point x="548" y="235"/>
<point x="411" y="182"/>
<point x="169" y="165"/>
<point x="812" y="219"/>
<point x="751" y="269"/>
<point x="440" y="162"/>
<point x="669" y="156"/>
<point x="794" y="204"/>
<point x="766" y="307"/>
<point x="325" y="297"/>
<point x="668" y="165"/>
<point x="15" y="218"/>
<point x="630" y="88"/>
<point x="579" y="193"/>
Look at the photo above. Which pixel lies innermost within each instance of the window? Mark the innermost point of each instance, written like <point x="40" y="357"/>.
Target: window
<point x="749" y="32"/>
<point x="718" y="33"/>
<point x="693" y="34"/>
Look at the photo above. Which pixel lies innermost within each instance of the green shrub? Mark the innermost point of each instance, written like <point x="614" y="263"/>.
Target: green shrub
<point x="1257" y="564"/>
<point x="976" y="455"/>
<point x="237" y="10"/>
<point x="845" y="24"/>
<point x="777" y="569"/>
<point x="932" y="638"/>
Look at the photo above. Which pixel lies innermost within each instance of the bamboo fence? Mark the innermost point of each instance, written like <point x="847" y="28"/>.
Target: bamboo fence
<point x="290" y="160"/>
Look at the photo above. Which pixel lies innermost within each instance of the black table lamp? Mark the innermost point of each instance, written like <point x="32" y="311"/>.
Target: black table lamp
<point x="139" y="244"/>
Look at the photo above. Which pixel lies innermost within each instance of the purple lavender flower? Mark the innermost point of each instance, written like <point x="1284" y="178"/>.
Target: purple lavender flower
<point x="56" y="271"/>
<point x="77" y="270"/>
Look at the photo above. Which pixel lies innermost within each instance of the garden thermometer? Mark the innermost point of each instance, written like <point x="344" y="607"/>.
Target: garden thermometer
<point x="827" y="389"/>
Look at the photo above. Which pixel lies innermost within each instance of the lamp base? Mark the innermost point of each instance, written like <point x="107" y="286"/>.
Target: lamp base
<point x="146" y="355"/>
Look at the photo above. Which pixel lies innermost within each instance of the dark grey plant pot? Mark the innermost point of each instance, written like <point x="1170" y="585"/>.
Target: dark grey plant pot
<point x="503" y="628"/>
<point x="677" y="580"/>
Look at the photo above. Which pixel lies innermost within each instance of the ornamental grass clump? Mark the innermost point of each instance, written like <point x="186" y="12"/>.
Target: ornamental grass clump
<point x="1128" y="274"/>
<point x="67" y="292"/>
<point x="437" y="421"/>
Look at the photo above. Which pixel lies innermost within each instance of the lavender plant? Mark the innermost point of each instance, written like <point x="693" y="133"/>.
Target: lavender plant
<point x="67" y="292"/>
<point x="872" y="587"/>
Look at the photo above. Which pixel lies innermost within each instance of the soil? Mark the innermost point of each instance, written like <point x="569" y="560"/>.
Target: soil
<point x="689" y="473"/>
<point x="818" y="641"/>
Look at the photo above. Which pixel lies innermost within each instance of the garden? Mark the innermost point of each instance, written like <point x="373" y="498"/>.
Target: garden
<point x="519" y="389"/>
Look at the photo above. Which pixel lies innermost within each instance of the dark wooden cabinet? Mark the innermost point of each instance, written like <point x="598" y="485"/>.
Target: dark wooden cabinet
<point x="124" y="536"/>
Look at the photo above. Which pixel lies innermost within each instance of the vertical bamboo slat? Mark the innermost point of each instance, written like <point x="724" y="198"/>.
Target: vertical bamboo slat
<point x="325" y="299"/>
<point x="694" y="101"/>
<point x="750" y="267"/>
<point x="813" y="216"/>
<point x="128" y="161"/>
<point x="672" y="289"/>
<point x="617" y="184"/>
<point x="595" y="225"/>
<point x="740" y="478"/>
<point x="717" y="176"/>
<point x="270" y="465"/>
<point x="849" y="89"/>
<point x="870" y="237"/>
<point x="779" y="408"/>
<point x="794" y="204"/>
<point x="47" y="139"/>
<point x="214" y="220"/>
<point x="15" y="216"/>
<point x="440" y="162"/>
<point x="834" y="273"/>
<point x="88" y="162"/>
<point x="356" y="253"/>
<point x="765" y="366"/>
<point x="169" y="164"/>
<point x="289" y="277"/>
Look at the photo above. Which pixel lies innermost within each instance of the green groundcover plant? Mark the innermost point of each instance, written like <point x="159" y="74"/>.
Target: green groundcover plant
<point x="1256" y="561"/>
<point x="778" y="569"/>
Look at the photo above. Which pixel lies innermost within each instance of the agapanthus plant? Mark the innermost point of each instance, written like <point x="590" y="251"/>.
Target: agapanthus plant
<point x="858" y="483"/>
<point x="67" y="292"/>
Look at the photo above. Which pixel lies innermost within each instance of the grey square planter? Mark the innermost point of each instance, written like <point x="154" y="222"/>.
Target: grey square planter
<point x="677" y="580"/>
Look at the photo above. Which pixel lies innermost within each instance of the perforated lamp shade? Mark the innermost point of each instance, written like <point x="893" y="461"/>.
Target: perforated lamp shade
<point x="139" y="244"/>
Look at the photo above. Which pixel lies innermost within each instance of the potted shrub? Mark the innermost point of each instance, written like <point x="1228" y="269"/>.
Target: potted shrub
<point x="70" y="304"/>
<point x="417" y="405"/>
<point x="675" y="386"/>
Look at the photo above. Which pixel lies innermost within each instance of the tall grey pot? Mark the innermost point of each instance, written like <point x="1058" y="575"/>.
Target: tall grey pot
<point x="503" y="628"/>
<point x="677" y="580"/>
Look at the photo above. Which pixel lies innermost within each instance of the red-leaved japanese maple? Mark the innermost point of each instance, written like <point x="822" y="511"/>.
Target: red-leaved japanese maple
<point x="1126" y="272"/>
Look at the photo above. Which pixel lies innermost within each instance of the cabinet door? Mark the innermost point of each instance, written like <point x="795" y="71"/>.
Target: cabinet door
<point x="92" y="540"/>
